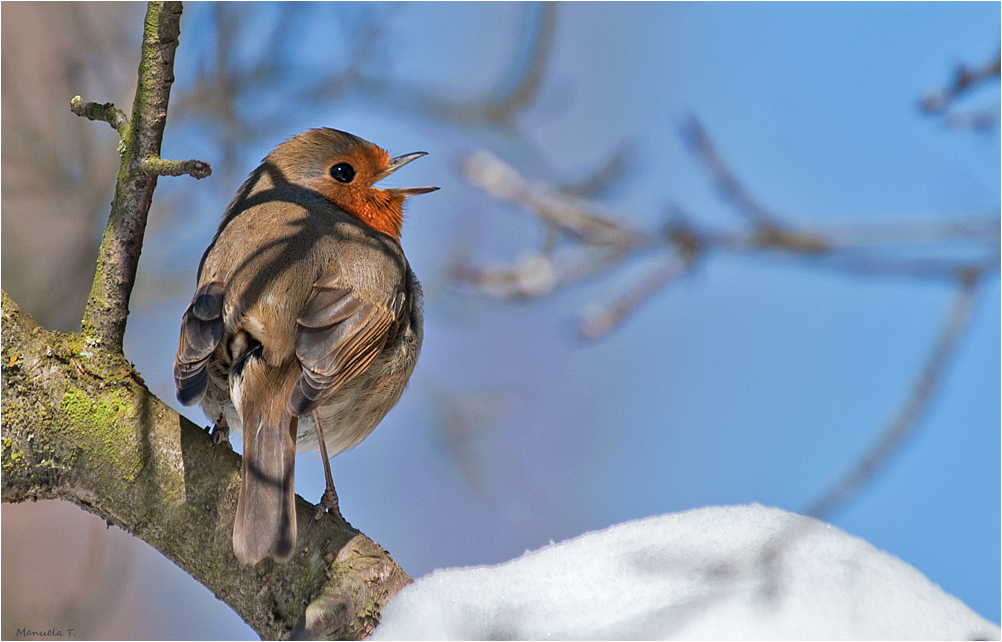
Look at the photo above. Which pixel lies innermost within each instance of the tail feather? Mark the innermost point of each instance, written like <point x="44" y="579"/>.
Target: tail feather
<point x="265" y="522"/>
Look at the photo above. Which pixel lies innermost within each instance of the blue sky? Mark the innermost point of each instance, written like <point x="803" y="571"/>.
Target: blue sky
<point x="751" y="380"/>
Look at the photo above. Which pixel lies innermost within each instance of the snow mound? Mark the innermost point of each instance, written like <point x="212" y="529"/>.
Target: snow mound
<point x="727" y="572"/>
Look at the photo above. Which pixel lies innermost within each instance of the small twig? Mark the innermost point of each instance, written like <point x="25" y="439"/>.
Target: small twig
<point x="572" y="215"/>
<point x="964" y="80"/>
<point x="530" y="278"/>
<point x="106" y="112"/>
<point x="915" y="405"/>
<point x="979" y="121"/>
<point x="612" y="173"/>
<point x="601" y="320"/>
<point x="160" y="167"/>
<point x="922" y="268"/>
<point x="703" y="150"/>
<point x="852" y="261"/>
<point x="917" y="229"/>
<point x="527" y="68"/>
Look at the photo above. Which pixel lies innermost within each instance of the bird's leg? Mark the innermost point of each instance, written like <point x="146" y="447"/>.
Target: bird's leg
<point x="220" y="434"/>
<point x="329" y="499"/>
<point x="239" y="345"/>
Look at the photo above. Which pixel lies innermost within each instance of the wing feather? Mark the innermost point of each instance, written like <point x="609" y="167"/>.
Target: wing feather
<point x="201" y="330"/>
<point x="340" y="335"/>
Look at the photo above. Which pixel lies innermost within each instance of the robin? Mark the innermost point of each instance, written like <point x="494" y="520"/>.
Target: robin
<point x="306" y="323"/>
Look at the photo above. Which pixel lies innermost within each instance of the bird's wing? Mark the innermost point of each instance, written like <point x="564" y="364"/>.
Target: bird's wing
<point x="340" y="335"/>
<point x="201" y="329"/>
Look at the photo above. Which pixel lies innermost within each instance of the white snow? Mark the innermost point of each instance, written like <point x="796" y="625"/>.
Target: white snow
<point x="728" y="572"/>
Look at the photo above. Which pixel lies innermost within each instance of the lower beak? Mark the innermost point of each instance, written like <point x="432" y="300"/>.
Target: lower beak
<point x="395" y="164"/>
<point x="411" y="191"/>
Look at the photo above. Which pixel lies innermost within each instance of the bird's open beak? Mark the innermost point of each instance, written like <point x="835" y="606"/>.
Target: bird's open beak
<point x="395" y="164"/>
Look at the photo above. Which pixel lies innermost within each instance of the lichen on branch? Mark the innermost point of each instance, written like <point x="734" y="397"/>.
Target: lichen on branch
<point x="106" y="112"/>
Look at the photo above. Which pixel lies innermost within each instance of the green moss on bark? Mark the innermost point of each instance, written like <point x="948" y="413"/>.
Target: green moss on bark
<point x="105" y="425"/>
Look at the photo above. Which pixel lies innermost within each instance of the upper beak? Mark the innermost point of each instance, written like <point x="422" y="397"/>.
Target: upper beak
<point x="395" y="164"/>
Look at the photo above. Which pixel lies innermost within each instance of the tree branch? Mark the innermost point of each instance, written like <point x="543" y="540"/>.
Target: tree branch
<point x="965" y="80"/>
<point x="911" y="412"/>
<point x="593" y="240"/>
<point x="108" y="306"/>
<point x="79" y="424"/>
<point x="702" y="148"/>
<point x="594" y="243"/>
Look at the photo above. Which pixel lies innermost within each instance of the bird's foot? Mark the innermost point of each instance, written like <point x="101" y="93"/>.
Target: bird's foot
<point x="220" y="436"/>
<point x="328" y="503"/>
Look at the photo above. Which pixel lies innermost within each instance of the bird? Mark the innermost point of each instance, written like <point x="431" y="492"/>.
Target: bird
<point x="306" y="322"/>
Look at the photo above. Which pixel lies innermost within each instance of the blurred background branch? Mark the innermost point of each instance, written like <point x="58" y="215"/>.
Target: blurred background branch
<point x="914" y="406"/>
<point x="599" y="242"/>
<point x="966" y="80"/>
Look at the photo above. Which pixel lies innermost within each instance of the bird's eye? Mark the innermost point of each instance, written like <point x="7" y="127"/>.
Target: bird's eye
<point x="343" y="173"/>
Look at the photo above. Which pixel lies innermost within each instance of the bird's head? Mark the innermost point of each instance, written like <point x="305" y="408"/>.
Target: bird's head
<point x="344" y="169"/>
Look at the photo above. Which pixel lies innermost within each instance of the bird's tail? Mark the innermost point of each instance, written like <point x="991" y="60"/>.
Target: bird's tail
<point x="266" y="511"/>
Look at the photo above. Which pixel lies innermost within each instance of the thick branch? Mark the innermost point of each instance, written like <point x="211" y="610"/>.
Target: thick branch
<point x="79" y="424"/>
